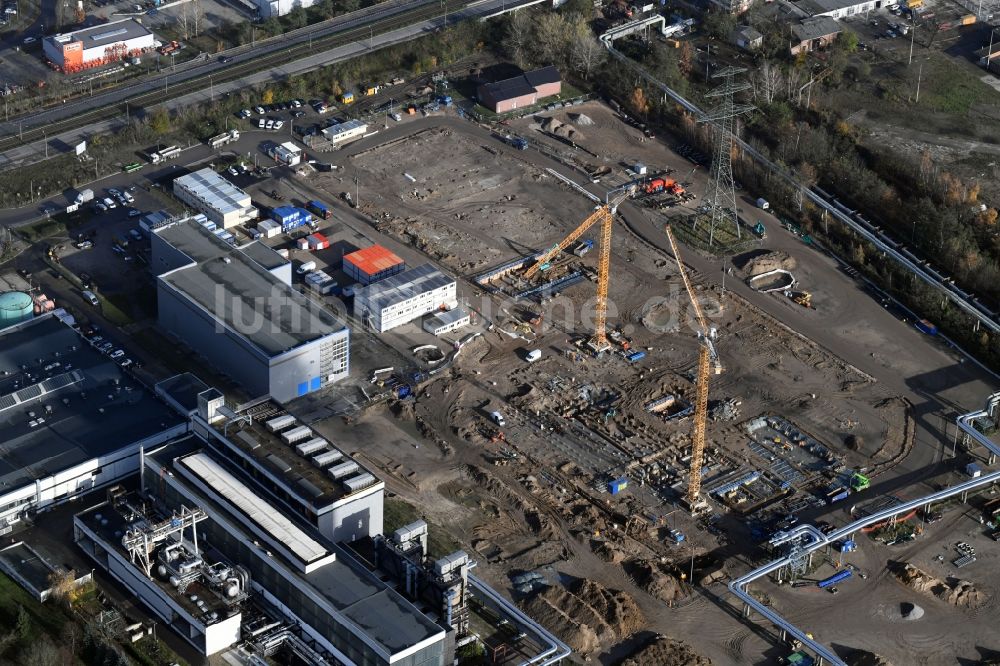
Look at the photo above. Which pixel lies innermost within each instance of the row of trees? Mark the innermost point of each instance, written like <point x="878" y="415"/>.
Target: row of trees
<point x="564" y="39"/>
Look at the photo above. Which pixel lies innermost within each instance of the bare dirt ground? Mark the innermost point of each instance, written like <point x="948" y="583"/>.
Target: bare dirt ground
<point x="532" y="495"/>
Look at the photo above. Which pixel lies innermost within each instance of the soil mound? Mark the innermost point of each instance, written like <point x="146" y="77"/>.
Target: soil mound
<point x="769" y="261"/>
<point x="587" y="615"/>
<point x="664" y="651"/>
<point x="961" y="593"/>
<point x="657" y="580"/>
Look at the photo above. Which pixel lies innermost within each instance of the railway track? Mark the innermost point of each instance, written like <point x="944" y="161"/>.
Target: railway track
<point x="140" y="101"/>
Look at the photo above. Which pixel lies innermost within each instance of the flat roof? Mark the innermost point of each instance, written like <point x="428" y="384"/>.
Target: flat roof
<point x="343" y="128"/>
<point x="96" y="409"/>
<point x="109" y="525"/>
<point x="102" y="35"/>
<point x="375" y="608"/>
<point x="302" y="478"/>
<point x="214" y="190"/>
<point x="304" y="547"/>
<point x="251" y="291"/>
<point x="823" y="6"/>
<point x="403" y="286"/>
<point x="373" y="259"/>
<point x="182" y="389"/>
<point x="451" y="316"/>
<point x="24" y="561"/>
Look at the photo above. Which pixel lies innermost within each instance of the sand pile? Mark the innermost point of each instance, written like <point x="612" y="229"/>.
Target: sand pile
<point x="656" y="579"/>
<point x="560" y="128"/>
<point x="581" y="119"/>
<point x="587" y="615"/>
<point x="762" y="263"/>
<point x="956" y="592"/>
<point x="664" y="651"/>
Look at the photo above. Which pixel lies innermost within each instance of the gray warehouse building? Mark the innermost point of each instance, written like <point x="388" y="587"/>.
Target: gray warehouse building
<point x="71" y="420"/>
<point x="237" y="309"/>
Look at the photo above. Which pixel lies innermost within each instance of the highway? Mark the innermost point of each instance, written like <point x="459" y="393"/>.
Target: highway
<point x="889" y="247"/>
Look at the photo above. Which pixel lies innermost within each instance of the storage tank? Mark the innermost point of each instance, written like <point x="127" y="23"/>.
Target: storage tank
<point x="15" y="307"/>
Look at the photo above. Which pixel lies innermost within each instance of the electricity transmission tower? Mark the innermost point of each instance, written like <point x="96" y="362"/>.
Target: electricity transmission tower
<point x="721" y="196"/>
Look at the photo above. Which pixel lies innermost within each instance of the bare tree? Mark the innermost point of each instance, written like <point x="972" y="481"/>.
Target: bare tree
<point x="183" y="20"/>
<point x="767" y="82"/>
<point x="519" y="38"/>
<point x="197" y="16"/>
<point x="793" y="79"/>
<point x="586" y="53"/>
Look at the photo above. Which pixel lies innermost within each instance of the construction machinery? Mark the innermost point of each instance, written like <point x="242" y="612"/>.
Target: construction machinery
<point x="605" y="215"/>
<point x="708" y="359"/>
<point x="803" y="298"/>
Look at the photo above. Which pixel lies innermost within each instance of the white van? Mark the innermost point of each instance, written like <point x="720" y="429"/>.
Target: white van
<point x="533" y="355"/>
<point x="498" y="419"/>
<point x="306" y="267"/>
<point x="90" y="297"/>
<point x="763" y="204"/>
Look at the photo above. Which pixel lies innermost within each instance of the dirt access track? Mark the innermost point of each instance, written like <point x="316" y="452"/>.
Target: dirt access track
<point x="467" y="201"/>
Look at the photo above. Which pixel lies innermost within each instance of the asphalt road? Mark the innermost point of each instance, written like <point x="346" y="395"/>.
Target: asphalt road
<point x="204" y="67"/>
<point x="64" y="141"/>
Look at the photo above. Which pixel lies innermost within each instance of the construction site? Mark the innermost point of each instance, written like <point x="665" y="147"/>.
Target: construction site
<point x="629" y="425"/>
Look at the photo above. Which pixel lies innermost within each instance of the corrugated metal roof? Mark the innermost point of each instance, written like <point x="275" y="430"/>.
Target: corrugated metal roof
<point x="259" y="511"/>
<point x="373" y="259"/>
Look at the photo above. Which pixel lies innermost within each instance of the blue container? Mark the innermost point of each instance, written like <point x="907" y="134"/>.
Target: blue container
<point x="617" y="485"/>
<point x="636" y="356"/>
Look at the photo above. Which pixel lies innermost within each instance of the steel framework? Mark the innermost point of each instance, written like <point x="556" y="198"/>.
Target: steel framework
<point x="721" y="197"/>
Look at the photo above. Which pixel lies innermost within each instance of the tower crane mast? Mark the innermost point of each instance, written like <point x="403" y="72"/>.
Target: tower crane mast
<point x="707" y="357"/>
<point x="605" y="215"/>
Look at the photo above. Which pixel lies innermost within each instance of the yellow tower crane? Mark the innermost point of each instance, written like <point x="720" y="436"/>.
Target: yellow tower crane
<point x="605" y="215"/>
<point x="708" y="357"/>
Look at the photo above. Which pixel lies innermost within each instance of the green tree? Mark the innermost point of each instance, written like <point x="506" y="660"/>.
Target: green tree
<point x="847" y="41"/>
<point x="159" y="122"/>
<point x="297" y="17"/>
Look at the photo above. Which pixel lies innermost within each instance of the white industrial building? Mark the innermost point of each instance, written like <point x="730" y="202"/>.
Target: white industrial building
<point x="341" y="132"/>
<point x="219" y="200"/>
<point x="838" y="9"/>
<point x="98" y="45"/>
<point x="57" y="446"/>
<point x="286" y="153"/>
<point x="403" y="297"/>
<point x="441" y="323"/>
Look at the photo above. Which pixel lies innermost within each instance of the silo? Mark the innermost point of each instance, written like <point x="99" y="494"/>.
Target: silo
<point x="15" y="307"/>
